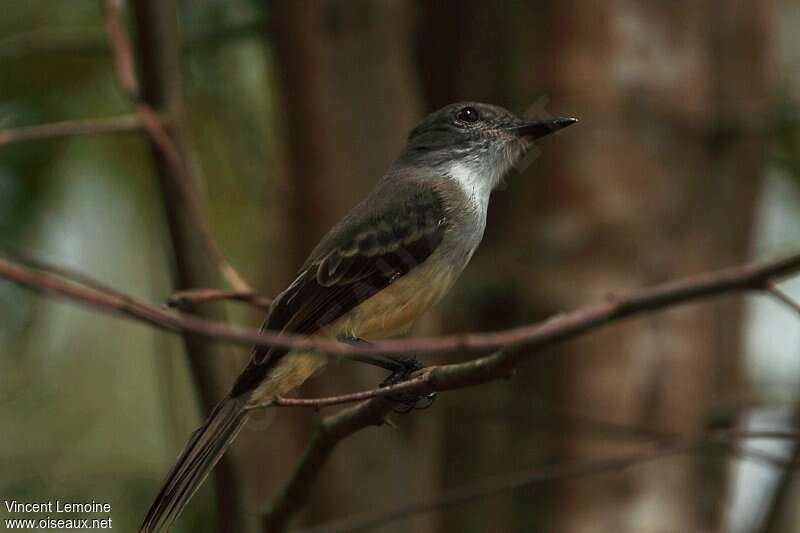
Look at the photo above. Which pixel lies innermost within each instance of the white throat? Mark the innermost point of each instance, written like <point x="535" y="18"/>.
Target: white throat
<point x="477" y="187"/>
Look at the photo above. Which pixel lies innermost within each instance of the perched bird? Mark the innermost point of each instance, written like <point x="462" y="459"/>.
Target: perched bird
<point x="383" y="265"/>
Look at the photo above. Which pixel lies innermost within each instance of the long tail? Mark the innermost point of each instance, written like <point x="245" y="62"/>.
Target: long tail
<point x="205" y="447"/>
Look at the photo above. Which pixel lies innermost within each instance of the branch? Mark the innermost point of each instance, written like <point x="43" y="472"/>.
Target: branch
<point x="539" y="475"/>
<point x="782" y="297"/>
<point x="178" y="168"/>
<point x="92" y="41"/>
<point x="98" y="126"/>
<point x="197" y="260"/>
<point x="329" y="433"/>
<point x="500" y="364"/>
<point x="337" y="427"/>
<point x="535" y="336"/>
<point x="340" y="426"/>
<point x="423" y="381"/>
<point x="190" y="298"/>
<point x="780" y="498"/>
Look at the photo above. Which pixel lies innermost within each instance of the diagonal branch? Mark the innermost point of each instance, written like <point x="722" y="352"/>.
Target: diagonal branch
<point x="92" y="41"/>
<point x="329" y="433"/>
<point x="168" y="149"/>
<point x="190" y="298"/>
<point x="197" y="260"/>
<point x="485" y="369"/>
<point x="68" y="128"/>
<point x="782" y="495"/>
<point x="543" y="474"/>
<point x="499" y="364"/>
<point x="782" y="297"/>
<point x="534" y="336"/>
<point x="419" y="383"/>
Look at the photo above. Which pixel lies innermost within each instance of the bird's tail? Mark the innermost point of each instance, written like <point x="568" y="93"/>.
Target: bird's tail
<point x="205" y="447"/>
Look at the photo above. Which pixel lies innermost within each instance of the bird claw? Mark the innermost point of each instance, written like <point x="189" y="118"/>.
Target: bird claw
<point x="409" y="401"/>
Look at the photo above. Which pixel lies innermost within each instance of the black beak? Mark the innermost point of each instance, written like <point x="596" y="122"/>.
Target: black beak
<point x="540" y="128"/>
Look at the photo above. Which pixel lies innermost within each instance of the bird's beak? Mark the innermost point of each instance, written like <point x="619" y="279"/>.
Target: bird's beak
<point x="540" y="128"/>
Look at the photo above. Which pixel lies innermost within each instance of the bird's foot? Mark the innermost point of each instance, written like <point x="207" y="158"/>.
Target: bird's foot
<point x="403" y="371"/>
<point x="402" y="368"/>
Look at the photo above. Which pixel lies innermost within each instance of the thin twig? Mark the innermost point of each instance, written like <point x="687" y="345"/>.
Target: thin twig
<point x="94" y="41"/>
<point x="184" y="299"/>
<point x="781" y="296"/>
<point x="126" y="78"/>
<point x="780" y="498"/>
<point x="121" y="49"/>
<point x="67" y="273"/>
<point x="414" y="384"/>
<point x="69" y="128"/>
<point x="197" y="260"/>
<point x="329" y="433"/>
<point x="538" y="475"/>
<point x="498" y="364"/>
<point x="535" y="336"/>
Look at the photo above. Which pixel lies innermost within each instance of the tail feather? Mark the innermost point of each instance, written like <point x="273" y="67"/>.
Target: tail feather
<point x="204" y="449"/>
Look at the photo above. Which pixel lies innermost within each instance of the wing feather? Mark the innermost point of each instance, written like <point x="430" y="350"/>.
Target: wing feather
<point x="360" y="257"/>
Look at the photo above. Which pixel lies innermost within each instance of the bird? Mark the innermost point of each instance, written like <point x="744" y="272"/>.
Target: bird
<point x="388" y="260"/>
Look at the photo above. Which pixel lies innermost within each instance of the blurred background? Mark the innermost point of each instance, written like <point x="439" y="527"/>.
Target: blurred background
<point x="686" y="159"/>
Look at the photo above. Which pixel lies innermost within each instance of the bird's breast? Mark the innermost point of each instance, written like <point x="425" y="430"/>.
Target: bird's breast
<point x="388" y="313"/>
<point x="393" y="310"/>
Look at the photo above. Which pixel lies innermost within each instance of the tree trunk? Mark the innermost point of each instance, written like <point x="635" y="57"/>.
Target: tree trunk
<point x="348" y="99"/>
<point x="159" y="55"/>
<point x="657" y="181"/>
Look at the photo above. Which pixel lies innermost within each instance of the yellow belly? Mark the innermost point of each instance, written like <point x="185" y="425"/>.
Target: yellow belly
<point x="390" y="312"/>
<point x="394" y="310"/>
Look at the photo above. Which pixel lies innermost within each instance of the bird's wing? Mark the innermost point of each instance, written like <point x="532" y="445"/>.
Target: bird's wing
<point x="380" y="241"/>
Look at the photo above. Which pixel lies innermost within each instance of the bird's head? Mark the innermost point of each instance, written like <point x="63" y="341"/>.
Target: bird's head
<point x="481" y="140"/>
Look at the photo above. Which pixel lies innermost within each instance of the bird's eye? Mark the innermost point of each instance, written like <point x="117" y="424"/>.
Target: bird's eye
<point x="467" y="114"/>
